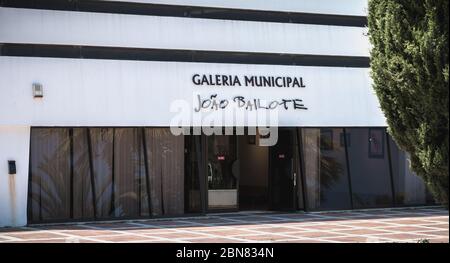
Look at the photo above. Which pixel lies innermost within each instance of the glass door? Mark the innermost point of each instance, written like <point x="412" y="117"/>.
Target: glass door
<point x="222" y="172"/>
<point x="283" y="175"/>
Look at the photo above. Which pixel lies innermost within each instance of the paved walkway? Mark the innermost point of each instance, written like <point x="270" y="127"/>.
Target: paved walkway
<point x="396" y="225"/>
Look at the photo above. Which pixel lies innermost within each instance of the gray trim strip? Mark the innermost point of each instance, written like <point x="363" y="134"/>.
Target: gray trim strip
<point x="144" y="54"/>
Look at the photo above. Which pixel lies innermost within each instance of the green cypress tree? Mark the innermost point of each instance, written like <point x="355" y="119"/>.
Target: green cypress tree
<point x="409" y="67"/>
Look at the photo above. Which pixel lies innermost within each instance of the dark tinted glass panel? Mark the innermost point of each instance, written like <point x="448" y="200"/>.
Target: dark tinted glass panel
<point x="282" y="171"/>
<point x="87" y="173"/>
<point x="430" y="198"/>
<point x="325" y="169"/>
<point x="128" y="173"/>
<point x="83" y="198"/>
<point x="166" y="171"/>
<point x="50" y="174"/>
<point x="409" y="188"/>
<point x="192" y="155"/>
<point x="99" y="142"/>
<point x="369" y="167"/>
<point x="298" y="179"/>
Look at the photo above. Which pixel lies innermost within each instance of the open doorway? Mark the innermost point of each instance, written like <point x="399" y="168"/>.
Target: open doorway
<point x="269" y="175"/>
<point x="243" y="175"/>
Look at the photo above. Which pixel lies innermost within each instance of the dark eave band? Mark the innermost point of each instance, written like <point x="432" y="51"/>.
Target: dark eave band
<point x="146" y="54"/>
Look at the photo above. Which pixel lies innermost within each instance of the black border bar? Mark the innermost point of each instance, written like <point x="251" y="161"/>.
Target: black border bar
<point x="188" y="11"/>
<point x="177" y="55"/>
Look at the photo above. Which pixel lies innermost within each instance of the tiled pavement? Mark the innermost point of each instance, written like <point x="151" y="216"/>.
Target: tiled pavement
<point x="394" y="225"/>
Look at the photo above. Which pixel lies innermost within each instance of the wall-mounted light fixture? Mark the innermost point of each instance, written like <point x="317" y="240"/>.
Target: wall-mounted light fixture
<point x="11" y="167"/>
<point x="38" y="91"/>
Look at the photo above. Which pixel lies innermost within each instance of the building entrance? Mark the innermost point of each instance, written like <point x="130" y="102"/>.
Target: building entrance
<point x="93" y="173"/>
<point x="243" y="175"/>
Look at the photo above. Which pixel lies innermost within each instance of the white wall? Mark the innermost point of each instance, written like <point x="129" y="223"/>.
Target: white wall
<point x="254" y="164"/>
<point x="338" y="7"/>
<point x="14" y="145"/>
<point x="81" y="92"/>
<point x="116" y="30"/>
<point x="92" y="92"/>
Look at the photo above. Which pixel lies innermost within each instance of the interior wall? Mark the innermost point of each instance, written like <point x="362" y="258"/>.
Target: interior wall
<point x="253" y="179"/>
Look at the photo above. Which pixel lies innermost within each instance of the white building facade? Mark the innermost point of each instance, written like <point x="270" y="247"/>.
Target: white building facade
<point x="115" y="75"/>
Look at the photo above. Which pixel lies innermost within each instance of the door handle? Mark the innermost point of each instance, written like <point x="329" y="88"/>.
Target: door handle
<point x="294" y="174"/>
<point x="295" y="179"/>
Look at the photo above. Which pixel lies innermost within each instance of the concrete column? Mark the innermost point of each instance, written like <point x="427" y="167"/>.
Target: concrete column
<point x="14" y="145"/>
